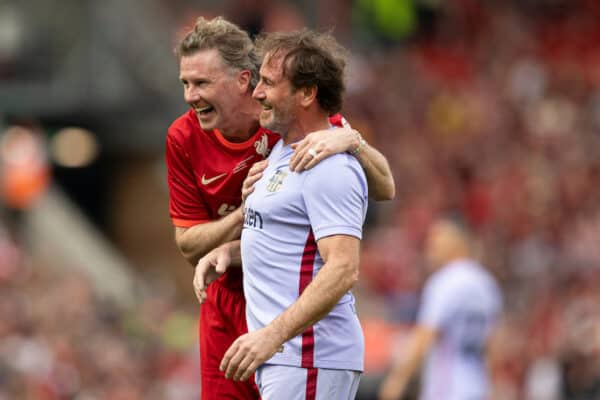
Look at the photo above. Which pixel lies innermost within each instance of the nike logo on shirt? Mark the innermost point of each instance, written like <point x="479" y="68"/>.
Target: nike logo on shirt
<point x="208" y="181"/>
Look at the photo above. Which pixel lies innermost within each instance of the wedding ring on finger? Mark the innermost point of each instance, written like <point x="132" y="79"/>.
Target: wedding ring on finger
<point x="312" y="152"/>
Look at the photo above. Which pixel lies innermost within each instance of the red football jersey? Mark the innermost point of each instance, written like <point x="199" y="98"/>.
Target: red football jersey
<point x="206" y="171"/>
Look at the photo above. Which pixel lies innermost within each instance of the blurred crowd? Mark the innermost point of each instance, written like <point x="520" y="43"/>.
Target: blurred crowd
<point x="489" y="111"/>
<point x="59" y="340"/>
<point x="492" y="114"/>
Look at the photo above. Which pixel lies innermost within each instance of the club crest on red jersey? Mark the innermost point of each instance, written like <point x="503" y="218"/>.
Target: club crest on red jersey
<point x="262" y="145"/>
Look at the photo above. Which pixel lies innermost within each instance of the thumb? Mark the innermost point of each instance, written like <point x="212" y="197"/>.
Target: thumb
<point x="262" y="164"/>
<point x="222" y="264"/>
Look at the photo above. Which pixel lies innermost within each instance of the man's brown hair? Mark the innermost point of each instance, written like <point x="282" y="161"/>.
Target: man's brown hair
<point x="310" y="59"/>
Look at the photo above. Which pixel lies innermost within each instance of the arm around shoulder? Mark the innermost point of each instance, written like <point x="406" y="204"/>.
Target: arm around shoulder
<point x="345" y="139"/>
<point x="378" y="171"/>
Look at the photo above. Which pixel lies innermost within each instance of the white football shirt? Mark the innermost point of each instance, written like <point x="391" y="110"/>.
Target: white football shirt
<point x="285" y="216"/>
<point x="461" y="302"/>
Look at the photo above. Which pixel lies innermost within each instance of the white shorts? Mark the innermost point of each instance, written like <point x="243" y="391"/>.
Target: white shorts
<point x="276" y="382"/>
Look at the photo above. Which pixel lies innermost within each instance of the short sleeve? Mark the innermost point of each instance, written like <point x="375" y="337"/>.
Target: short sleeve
<point x="335" y="196"/>
<point x="436" y="304"/>
<point x="186" y="206"/>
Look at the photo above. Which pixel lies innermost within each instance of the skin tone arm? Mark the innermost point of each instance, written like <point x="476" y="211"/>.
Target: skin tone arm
<point x="196" y="241"/>
<point x="396" y="382"/>
<point x="213" y="265"/>
<point x="375" y="165"/>
<point x="338" y="275"/>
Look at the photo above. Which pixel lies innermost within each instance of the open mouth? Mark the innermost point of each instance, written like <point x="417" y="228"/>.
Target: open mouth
<point x="204" y="110"/>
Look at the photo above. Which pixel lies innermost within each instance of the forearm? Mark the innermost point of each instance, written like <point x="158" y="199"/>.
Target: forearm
<point x="198" y="240"/>
<point x="317" y="300"/>
<point x="377" y="170"/>
<point x="401" y="375"/>
<point x="321" y="144"/>
<point x="235" y="253"/>
<point x="407" y="365"/>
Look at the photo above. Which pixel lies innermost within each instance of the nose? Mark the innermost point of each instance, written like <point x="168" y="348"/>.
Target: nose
<point x="258" y="93"/>
<point x="191" y="95"/>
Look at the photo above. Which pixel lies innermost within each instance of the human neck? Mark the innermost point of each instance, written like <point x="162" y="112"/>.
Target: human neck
<point x="305" y="123"/>
<point x="246" y="123"/>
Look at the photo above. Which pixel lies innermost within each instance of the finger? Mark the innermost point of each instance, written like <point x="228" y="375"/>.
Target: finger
<point x="250" y="370"/>
<point x="201" y="296"/>
<point x="302" y="145"/>
<point x="234" y="363"/>
<point x="197" y="291"/>
<point x="248" y="187"/>
<point x="321" y="155"/>
<point x="227" y="357"/>
<point x="200" y="274"/>
<point x="303" y="162"/>
<point x="258" y="166"/>
<point x="299" y="152"/>
<point x="222" y="263"/>
<point x="246" y="191"/>
<point x="197" y="282"/>
<point x="254" y="174"/>
<point x="251" y="180"/>
<point x="312" y="162"/>
<point x="242" y="369"/>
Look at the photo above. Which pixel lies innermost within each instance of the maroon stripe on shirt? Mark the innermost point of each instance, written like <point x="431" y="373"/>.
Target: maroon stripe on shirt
<point x="306" y="275"/>
<point x="311" y="383"/>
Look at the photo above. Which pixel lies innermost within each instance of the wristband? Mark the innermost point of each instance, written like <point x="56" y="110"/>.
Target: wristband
<point x="361" y="143"/>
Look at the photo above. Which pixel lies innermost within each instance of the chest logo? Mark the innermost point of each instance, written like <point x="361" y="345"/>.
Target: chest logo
<point x="276" y="181"/>
<point x="242" y="165"/>
<point x="262" y="145"/>
<point x="208" y="181"/>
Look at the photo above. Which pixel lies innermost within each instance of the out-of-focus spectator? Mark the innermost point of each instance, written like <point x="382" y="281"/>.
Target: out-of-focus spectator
<point x="461" y="304"/>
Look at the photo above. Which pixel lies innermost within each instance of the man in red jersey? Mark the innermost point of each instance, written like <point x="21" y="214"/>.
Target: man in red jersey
<point x="209" y="151"/>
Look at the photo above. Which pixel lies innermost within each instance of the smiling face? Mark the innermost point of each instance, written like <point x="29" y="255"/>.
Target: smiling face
<point x="275" y="94"/>
<point x="211" y="89"/>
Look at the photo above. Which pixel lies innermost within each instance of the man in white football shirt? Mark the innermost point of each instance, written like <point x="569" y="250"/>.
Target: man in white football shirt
<point x="301" y="237"/>
<point x="461" y="301"/>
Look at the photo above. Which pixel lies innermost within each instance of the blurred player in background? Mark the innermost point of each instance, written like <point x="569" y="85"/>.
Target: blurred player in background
<point x="461" y="301"/>
<point x="300" y="244"/>
<point x="209" y="151"/>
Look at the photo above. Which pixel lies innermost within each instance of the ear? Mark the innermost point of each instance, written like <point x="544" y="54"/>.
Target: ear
<point x="243" y="80"/>
<point x="308" y="96"/>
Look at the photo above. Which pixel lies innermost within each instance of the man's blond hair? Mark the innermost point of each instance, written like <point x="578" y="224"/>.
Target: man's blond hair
<point x="233" y="44"/>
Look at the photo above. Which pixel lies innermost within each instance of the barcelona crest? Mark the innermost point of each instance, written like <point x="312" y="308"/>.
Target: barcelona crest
<point x="276" y="181"/>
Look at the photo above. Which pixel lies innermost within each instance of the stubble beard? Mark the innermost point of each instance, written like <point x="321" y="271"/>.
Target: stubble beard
<point x="279" y="121"/>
